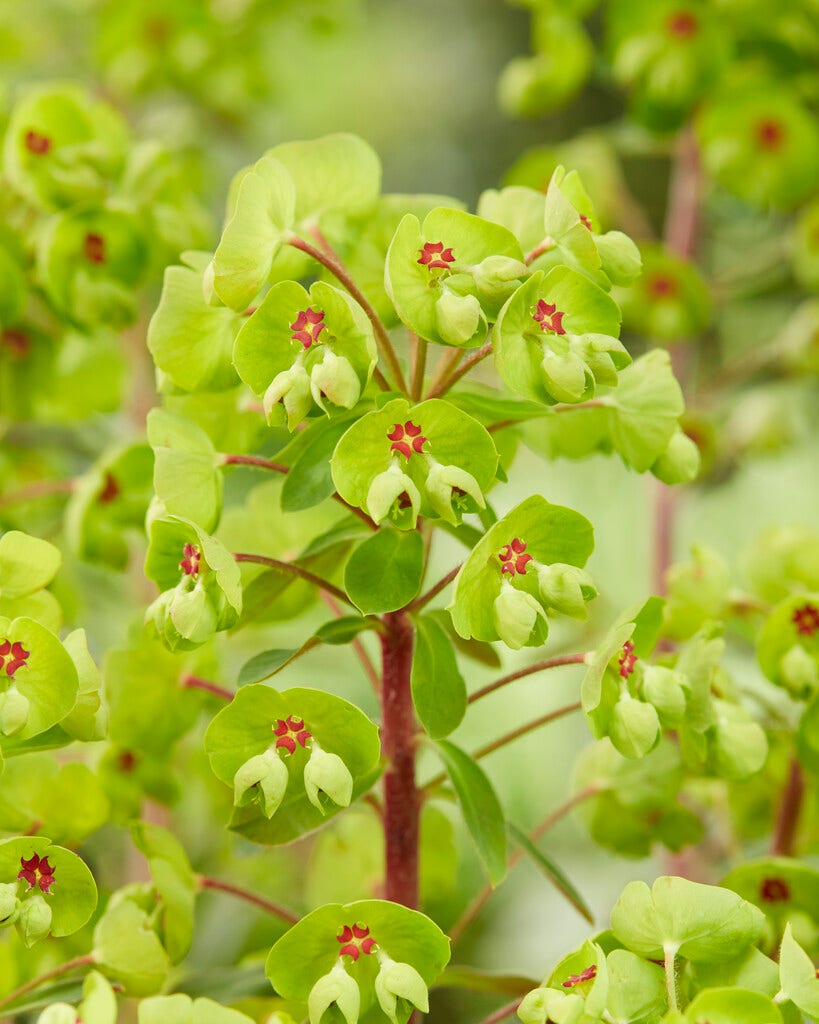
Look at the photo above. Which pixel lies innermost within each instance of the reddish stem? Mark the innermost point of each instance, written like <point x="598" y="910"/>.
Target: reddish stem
<point x="401" y="803"/>
<point x="36" y="490"/>
<point x="444" y="385"/>
<point x="255" y="460"/>
<point x="370" y="671"/>
<point x="295" y="570"/>
<point x="539" y="249"/>
<point x="790" y="807"/>
<point x="195" y="683"/>
<point x="503" y="1012"/>
<point x="205" y="882"/>
<point x="424" y="599"/>
<point x="55" y="972"/>
<point x="538" y="666"/>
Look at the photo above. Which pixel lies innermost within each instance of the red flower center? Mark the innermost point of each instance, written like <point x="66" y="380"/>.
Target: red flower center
<point x="549" y="317"/>
<point x="660" y="286"/>
<point x="37" y="143"/>
<point x="774" y="890"/>
<point x="93" y="248"/>
<point x="770" y="134"/>
<point x="435" y="256"/>
<point x="627" y="659"/>
<point x="37" y="871"/>
<point x="12" y="656"/>
<point x="406" y="438"/>
<point x="286" y="729"/>
<point x="307" y="327"/>
<point x="584" y="220"/>
<point x="682" y="24"/>
<point x="16" y="341"/>
<point x="589" y="974"/>
<point x="110" y="490"/>
<point x="355" y="940"/>
<point x="512" y="558"/>
<point x="806" y="619"/>
<point x="190" y="563"/>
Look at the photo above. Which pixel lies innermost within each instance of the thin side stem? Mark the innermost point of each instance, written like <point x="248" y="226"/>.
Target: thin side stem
<point x="545" y="246"/>
<point x="195" y="683"/>
<point x="38" y="489"/>
<point x="538" y="666"/>
<point x="446" y="364"/>
<point x="503" y="1012"/>
<point x="433" y="592"/>
<point x="510" y="737"/>
<point x="358" y="647"/>
<point x="401" y="798"/>
<point x="296" y="570"/>
<point x="205" y="882"/>
<point x="790" y="808"/>
<point x="418" y="348"/>
<point x="465" y="367"/>
<point x="80" y="961"/>
<point x="479" y="902"/>
<point x="328" y="258"/>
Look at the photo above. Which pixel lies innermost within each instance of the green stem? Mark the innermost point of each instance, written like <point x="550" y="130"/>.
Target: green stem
<point x="419" y="365"/>
<point x="80" y="961"/>
<point x="205" y="882"/>
<point x="452" y="378"/>
<point x="328" y="258"/>
<point x="671" y="976"/>
<point x="296" y="570"/>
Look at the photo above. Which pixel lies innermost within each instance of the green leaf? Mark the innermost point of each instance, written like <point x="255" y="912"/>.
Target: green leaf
<point x="551" y="870"/>
<point x="267" y="663"/>
<point x="698" y="922"/>
<point x="186" y="477"/>
<point x="310" y="479"/>
<point x="175" y="884"/>
<point x="481" y="809"/>
<point x="181" y="1009"/>
<point x="644" y="408"/>
<point x="244" y="730"/>
<point x="27" y="564"/>
<point x="798" y="975"/>
<point x="438" y="688"/>
<point x="384" y="572"/>
<point x="310" y="948"/>
<point x="475" y="980"/>
<point x="126" y="947"/>
<point x="636" y="988"/>
<point x="732" y="1006"/>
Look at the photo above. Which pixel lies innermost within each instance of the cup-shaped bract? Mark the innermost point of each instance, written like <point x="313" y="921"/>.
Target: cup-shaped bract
<point x="670" y="300"/>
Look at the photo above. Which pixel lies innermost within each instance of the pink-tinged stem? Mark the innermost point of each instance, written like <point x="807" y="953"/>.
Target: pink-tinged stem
<point x="444" y="385"/>
<point x="35" y="491"/>
<point x="358" y="647"/>
<point x="195" y="683"/>
<point x="503" y="1012"/>
<point x="445" y="365"/>
<point x="418" y="351"/>
<point x="55" y="972"/>
<point x="538" y="666"/>
<point x="328" y="258"/>
<point x="433" y="592"/>
<point x="401" y="798"/>
<point x="295" y="570"/>
<point x="205" y="882"/>
<point x="545" y="246"/>
<point x="790" y="808"/>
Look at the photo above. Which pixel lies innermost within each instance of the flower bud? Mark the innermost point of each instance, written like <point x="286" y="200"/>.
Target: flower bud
<point x="335" y="377"/>
<point x="292" y="387"/>
<point x="457" y="317"/>
<point x="270" y="774"/>
<point x="497" y="276"/>
<point x="58" y="1013"/>
<point x="192" y="613"/>
<point x="337" y="988"/>
<point x="386" y="489"/>
<point x="564" y="374"/>
<point x="34" y="920"/>
<point x="14" y="708"/>
<point x="515" y="614"/>
<point x="798" y="671"/>
<point x="619" y="256"/>
<point x="396" y="981"/>
<point x="542" y="1005"/>
<point x="441" y="484"/>
<point x="566" y="588"/>
<point x="663" y="687"/>
<point x="680" y="462"/>
<point x="635" y="727"/>
<point x="9" y="904"/>
<point x="602" y="354"/>
<point x="327" y="773"/>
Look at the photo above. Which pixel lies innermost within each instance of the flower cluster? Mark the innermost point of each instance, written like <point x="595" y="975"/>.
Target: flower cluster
<point x="24" y="905"/>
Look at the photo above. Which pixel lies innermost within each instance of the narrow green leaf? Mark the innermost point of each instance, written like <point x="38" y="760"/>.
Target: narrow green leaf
<point x="481" y="808"/>
<point x="551" y="870"/>
<point x="345" y="629"/>
<point x="384" y="573"/>
<point x="438" y="688"/>
<point x="268" y="663"/>
<point x="310" y="481"/>
<point x="475" y="980"/>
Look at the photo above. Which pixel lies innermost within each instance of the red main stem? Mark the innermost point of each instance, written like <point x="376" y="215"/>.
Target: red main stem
<point x="401" y="798"/>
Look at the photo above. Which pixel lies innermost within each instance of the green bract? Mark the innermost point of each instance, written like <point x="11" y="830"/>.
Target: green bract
<point x="389" y="953"/>
<point x="98" y="1005"/>
<point x="492" y="604"/>
<point x="303" y="349"/>
<point x="448" y="276"/>
<point x="186" y="478"/>
<point x="181" y="1009"/>
<point x="27" y="566"/>
<point x="406" y="460"/>
<point x="293" y="758"/>
<point x="199" y="580"/>
<point x="670" y="300"/>
<point x="788" y="644"/>
<point x="556" y="338"/>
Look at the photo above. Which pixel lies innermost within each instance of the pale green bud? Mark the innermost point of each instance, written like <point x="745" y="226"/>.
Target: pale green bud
<point x="336" y="987"/>
<point x="9" y="904"/>
<point x="59" y="1013"/>
<point x="34" y="920"/>
<point x="457" y="316"/>
<point x="440" y="484"/>
<point x="327" y="773"/>
<point x="566" y="588"/>
<point x="635" y="727"/>
<point x="564" y="375"/>
<point x="663" y="688"/>
<point x="13" y="711"/>
<point x="396" y="981"/>
<point x="515" y="614"/>
<point x="266" y="771"/>
<point x="292" y="388"/>
<point x="619" y="256"/>
<point x="680" y="462"/>
<point x="799" y="671"/>
<point x="534" y="1007"/>
<point x="385" y="490"/>
<point x="497" y="276"/>
<point x="543" y="1005"/>
<point x="335" y="378"/>
<point x="192" y="613"/>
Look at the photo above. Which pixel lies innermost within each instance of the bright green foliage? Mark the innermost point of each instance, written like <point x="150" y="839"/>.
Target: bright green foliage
<point x="126" y="946"/>
<point x="181" y="1009"/>
<point x="669" y="301"/>
<point x="98" y="1005"/>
